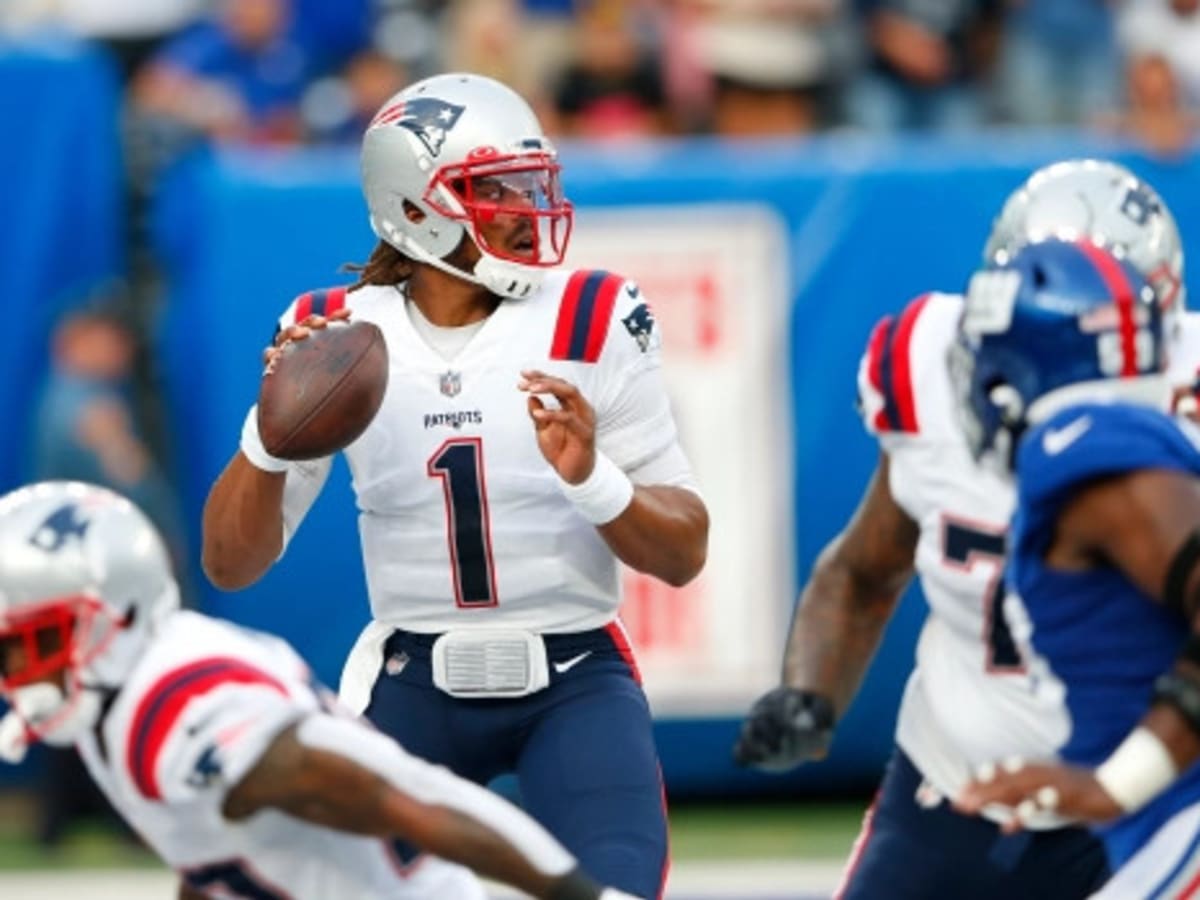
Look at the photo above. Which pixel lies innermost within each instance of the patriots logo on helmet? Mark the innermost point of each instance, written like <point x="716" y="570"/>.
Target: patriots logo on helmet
<point x="640" y="324"/>
<point x="60" y="526"/>
<point x="429" y="118"/>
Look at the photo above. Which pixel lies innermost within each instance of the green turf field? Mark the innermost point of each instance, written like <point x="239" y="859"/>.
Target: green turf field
<point x="701" y="832"/>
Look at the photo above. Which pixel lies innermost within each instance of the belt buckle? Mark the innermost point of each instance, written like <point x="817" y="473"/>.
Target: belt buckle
<point x="489" y="663"/>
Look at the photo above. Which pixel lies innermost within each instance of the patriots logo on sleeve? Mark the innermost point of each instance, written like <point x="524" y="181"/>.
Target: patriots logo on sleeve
<point x="640" y="324"/>
<point x="429" y="118"/>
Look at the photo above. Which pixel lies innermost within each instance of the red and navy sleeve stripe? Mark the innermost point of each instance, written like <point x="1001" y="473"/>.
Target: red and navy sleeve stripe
<point x="165" y="701"/>
<point x="583" y="315"/>
<point x="890" y="358"/>
<point x="319" y="303"/>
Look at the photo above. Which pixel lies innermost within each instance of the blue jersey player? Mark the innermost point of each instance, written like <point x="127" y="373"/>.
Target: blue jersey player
<point x="1059" y="364"/>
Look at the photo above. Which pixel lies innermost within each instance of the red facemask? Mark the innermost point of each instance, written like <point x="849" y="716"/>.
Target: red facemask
<point x="522" y="189"/>
<point x="46" y="637"/>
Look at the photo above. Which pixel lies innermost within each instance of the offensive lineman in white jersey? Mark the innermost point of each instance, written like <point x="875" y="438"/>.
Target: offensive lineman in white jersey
<point x="214" y="742"/>
<point x="524" y="448"/>
<point x="931" y="509"/>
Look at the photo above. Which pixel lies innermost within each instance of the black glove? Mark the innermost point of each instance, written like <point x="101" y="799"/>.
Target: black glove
<point x="785" y="727"/>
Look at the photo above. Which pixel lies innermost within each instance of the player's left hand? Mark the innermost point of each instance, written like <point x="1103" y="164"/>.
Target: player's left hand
<point x="567" y="435"/>
<point x="785" y="727"/>
<point x="1032" y="789"/>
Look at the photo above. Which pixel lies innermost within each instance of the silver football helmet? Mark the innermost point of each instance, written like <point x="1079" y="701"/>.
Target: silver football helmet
<point x="454" y="153"/>
<point x="85" y="581"/>
<point x="1107" y="204"/>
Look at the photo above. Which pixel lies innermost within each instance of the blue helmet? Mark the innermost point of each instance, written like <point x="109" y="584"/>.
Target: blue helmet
<point x="1058" y="322"/>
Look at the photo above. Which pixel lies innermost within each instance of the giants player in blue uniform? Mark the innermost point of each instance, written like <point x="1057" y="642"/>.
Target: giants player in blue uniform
<point x="1060" y="363"/>
<point x="524" y="450"/>
<point x="932" y="510"/>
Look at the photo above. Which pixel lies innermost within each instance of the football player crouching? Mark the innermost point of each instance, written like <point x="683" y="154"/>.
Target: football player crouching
<point x="215" y="743"/>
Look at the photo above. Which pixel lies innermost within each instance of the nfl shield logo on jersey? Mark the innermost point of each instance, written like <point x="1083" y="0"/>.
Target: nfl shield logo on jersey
<point x="450" y="383"/>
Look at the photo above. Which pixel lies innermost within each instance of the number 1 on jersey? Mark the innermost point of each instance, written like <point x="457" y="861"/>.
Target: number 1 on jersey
<point x="459" y="464"/>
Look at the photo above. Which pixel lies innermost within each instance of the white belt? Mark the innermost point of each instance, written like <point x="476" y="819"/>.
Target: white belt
<point x="482" y="663"/>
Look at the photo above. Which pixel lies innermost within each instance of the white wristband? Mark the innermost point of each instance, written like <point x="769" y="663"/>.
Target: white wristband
<point x="252" y="446"/>
<point x="603" y="495"/>
<point x="1137" y="771"/>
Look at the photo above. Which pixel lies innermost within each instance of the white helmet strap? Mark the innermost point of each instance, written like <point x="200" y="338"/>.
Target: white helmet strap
<point x="507" y="279"/>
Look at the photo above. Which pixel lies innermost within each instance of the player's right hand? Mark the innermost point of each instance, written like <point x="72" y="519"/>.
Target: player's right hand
<point x="299" y="332"/>
<point x="785" y="727"/>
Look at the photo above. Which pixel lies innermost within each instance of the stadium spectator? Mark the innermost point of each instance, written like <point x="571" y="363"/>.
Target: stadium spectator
<point x="612" y="87"/>
<point x="488" y="39"/>
<point x="238" y="76"/>
<point x="924" y="66"/>
<point x="85" y="426"/>
<point x="1058" y="62"/>
<point x="130" y="30"/>
<point x="338" y="109"/>
<point x="409" y="32"/>
<point x="1166" y="28"/>
<point x="775" y="68"/>
<point x="1157" y="115"/>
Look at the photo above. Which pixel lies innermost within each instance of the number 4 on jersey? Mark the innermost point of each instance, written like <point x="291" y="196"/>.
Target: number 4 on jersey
<point x="964" y="546"/>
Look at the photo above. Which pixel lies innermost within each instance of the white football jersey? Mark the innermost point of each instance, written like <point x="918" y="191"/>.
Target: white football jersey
<point x="970" y="698"/>
<point x="194" y="717"/>
<point x="463" y="521"/>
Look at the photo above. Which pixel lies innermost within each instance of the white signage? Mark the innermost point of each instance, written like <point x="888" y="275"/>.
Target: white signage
<point x="717" y="280"/>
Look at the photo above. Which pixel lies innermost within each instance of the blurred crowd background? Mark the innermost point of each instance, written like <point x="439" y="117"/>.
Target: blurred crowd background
<point x="291" y="71"/>
<point x="286" y="71"/>
<point x="612" y="73"/>
<point x="312" y="72"/>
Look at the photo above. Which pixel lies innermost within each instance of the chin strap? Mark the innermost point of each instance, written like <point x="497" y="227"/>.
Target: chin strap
<point x="508" y="279"/>
<point x="502" y="277"/>
<point x="15" y="738"/>
<point x="41" y="712"/>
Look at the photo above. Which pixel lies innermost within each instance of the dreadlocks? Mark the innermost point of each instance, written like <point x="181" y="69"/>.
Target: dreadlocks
<point x="385" y="266"/>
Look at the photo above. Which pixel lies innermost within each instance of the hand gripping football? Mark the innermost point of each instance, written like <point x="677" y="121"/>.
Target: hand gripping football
<point x="323" y="391"/>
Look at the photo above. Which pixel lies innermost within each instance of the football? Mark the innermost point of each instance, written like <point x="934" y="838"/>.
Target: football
<point x="323" y="391"/>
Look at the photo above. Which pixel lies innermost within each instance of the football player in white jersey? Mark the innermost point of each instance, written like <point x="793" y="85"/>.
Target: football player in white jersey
<point x="215" y="743"/>
<point x="930" y="509"/>
<point x="525" y="447"/>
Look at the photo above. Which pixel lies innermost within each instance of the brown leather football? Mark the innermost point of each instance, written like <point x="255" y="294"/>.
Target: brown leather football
<point x="324" y="390"/>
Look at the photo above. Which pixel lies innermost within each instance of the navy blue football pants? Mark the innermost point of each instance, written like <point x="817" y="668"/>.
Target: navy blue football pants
<point x="909" y="852"/>
<point x="582" y="748"/>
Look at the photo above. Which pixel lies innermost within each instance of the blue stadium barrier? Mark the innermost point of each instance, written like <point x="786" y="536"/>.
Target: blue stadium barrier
<point x="871" y="225"/>
<point x="61" y="229"/>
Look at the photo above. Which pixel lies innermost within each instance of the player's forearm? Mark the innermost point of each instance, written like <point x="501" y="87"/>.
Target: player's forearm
<point x="336" y="773"/>
<point x="663" y="532"/>
<point x="838" y="625"/>
<point x="461" y="838"/>
<point x="242" y="525"/>
<point x="349" y="798"/>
